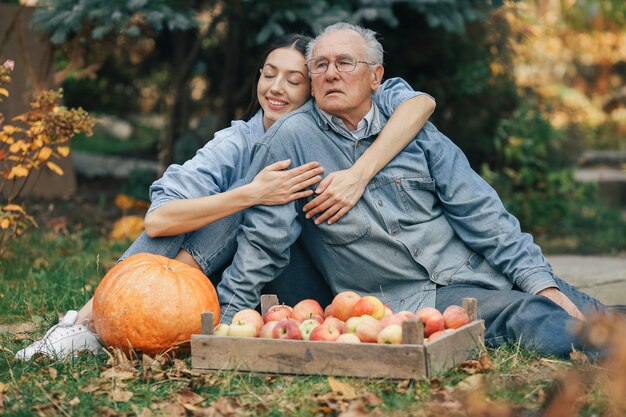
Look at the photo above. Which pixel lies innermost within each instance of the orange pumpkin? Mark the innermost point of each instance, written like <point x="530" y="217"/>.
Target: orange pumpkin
<point x="152" y="303"/>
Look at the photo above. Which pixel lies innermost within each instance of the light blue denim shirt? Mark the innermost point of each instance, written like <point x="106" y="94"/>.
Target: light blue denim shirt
<point x="223" y="163"/>
<point x="427" y="218"/>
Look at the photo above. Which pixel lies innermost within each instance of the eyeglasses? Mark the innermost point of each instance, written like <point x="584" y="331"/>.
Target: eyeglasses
<point x="342" y="64"/>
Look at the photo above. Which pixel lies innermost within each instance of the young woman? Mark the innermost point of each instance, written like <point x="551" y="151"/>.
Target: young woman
<point x="196" y="207"/>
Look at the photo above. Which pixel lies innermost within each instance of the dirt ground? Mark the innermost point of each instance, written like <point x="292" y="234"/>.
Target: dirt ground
<point x="91" y="206"/>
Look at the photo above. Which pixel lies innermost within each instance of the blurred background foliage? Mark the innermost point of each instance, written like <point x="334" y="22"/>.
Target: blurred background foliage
<point x="523" y="87"/>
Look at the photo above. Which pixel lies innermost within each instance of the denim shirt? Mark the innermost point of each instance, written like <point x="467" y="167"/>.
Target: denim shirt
<point x="425" y="219"/>
<point x="223" y="163"/>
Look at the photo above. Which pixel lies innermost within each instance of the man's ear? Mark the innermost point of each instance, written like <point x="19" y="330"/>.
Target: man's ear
<point x="377" y="76"/>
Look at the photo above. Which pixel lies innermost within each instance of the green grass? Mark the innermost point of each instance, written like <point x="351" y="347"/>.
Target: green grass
<point x="44" y="274"/>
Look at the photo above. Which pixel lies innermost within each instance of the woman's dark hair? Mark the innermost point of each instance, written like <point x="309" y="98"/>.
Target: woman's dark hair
<point x="290" y="40"/>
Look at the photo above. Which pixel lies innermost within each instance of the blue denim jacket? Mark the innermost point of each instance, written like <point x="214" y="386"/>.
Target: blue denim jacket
<point x="223" y="163"/>
<point x="427" y="218"/>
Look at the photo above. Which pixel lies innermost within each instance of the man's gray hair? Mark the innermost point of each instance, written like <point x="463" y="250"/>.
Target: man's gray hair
<point x="373" y="48"/>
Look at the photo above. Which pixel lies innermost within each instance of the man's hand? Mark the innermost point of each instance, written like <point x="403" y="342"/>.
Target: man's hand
<point x="338" y="193"/>
<point x="561" y="299"/>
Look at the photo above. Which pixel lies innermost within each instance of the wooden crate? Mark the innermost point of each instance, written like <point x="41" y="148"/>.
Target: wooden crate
<point x="413" y="359"/>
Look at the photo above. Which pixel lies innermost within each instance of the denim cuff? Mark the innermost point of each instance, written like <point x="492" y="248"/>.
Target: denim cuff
<point x="536" y="280"/>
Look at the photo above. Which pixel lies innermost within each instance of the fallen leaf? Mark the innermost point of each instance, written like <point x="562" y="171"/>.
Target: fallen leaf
<point x="189" y="397"/>
<point x="347" y="391"/>
<point x="145" y="412"/>
<point x="225" y="407"/>
<point x="121" y="396"/>
<point x="173" y="410"/>
<point x="74" y="401"/>
<point x="53" y="373"/>
<point x="127" y="227"/>
<point x="355" y="409"/>
<point x="1" y="401"/>
<point x="3" y="387"/>
<point x="372" y="399"/>
<point x="485" y="362"/>
<point x="471" y="383"/>
<point x="90" y="388"/>
<point x="115" y="373"/>
<point x="471" y="366"/>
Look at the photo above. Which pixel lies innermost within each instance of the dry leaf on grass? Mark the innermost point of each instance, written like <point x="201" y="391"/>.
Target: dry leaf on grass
<point x="189" y="397"/>
<point x="127" y="227"/>
<point x="471" y="383"/>
<point x="119" y="374"/>
<point x="121" y="396"/>
<point x="346" y="390"/>
<point x="170" y="409"/>
<point x="53" y="373"/>
<point x="355" y="409"/>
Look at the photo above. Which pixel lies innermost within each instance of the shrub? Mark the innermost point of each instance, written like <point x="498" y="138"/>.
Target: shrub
<point x="28" y="144"/>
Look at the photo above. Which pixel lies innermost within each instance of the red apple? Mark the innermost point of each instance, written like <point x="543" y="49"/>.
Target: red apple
<point x="287" y="329"/>
<point x="395" y="318"/>
<point x="328" y="311"/>
<point x="307" y="326"/>
<point x="432" y="319"/>
<point x="369" y="305"/>
<point x="388" y="310"/>
<point x="455" y="317"/>
<point x="221" y="329"/>
<point x="267" y="329"/>
<point x="343" y="303"/>
<point x="251" y="316"/>
<point x="324" y="333"/>
<point x="436" y="335"/>
<point x="305" y="309"/>
<point x="277" y="313"/>
<point x="368" y="328"/>
<point x="242" y="329"/>
<point x="391" y="334"/>
<point x="336" y="323"/>
<point x="348" y="338"/>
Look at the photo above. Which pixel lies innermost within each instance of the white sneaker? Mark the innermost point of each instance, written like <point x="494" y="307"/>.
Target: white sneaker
<point x="62" y="340"/>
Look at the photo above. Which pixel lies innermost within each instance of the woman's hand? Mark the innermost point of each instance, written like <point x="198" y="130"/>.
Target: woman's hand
<point x="561" y="299"/>
<point x="274" y="185"/>
<point x="338" y="193"/>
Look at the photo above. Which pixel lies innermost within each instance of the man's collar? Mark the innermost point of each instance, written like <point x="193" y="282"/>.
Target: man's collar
<point x="371" y="124"/>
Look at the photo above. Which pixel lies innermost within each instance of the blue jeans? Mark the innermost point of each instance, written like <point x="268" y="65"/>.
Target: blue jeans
<point x="532" y="320"/>
<point x="213" y="248"/>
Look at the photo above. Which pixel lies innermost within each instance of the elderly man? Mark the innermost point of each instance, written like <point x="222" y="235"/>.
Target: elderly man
<point x="427" y="232"/>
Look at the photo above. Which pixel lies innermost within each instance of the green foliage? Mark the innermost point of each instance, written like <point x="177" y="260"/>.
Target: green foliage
<point x="583" y="12"/>
<point x="537" y="185"/>
<point x="66" y="18"/>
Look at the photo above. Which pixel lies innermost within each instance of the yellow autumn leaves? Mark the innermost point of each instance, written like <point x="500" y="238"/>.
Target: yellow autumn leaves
<point x="31" y="142"/>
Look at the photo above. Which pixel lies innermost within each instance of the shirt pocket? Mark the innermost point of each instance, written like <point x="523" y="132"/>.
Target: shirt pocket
<point x="354" y="225"/>
<point x="419" y="198"/>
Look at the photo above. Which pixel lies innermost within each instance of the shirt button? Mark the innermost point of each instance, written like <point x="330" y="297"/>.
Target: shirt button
<point x="380" y="203"/>
<point x="394" y="232"/>
<point x="416" y="253"/>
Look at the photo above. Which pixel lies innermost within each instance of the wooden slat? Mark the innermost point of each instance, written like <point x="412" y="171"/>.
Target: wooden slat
<point x="309" y="358"/>
<point x="454" y="347"/>
<point x="413" y="332"/>
<point x="471" y="307"/>
<point x="207" y="322"/>
<point x="267" y="301"/>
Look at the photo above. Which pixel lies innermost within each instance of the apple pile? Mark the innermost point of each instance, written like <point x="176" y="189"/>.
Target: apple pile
<point x="350" y="318"/>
